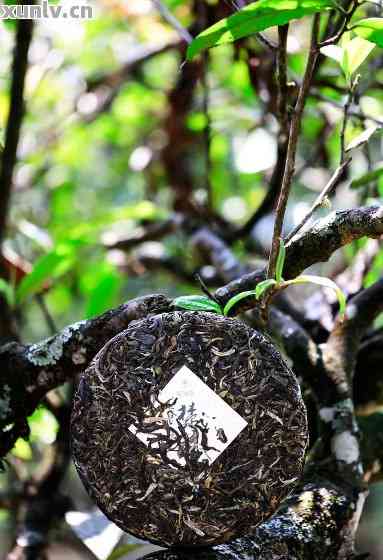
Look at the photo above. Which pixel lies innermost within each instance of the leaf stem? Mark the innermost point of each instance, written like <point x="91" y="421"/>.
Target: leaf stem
<point x="205" y="289"/>
<point x="346" y="115"/>
<point x="283" y="32"/>
<point x="207" y="128"/>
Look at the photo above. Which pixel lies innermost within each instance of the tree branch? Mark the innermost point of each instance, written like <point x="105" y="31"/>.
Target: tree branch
<point x="343" y="344"/>
<point x="329" y="234"/>
<point x="15" y="117"/>
<point x="292" y="147"/>
<point x="313" y="523"/>
<point x="8" y="329"/>
<point x="42" y="504"/>
<point x="152" y="232"/>
<point x="216" y="252"/>
<point x="338" y="450"/>
<point x="48" y="364"/>
<point x="312" y="246"/>
<point x="330" y="186"/>
<point x="173" y="21"/>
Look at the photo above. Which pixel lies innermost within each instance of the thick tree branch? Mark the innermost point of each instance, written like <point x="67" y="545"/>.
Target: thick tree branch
<point x="46" y="365"/>
<point x="314" y="245"/>
<point x="216" y="252"/>
<point x="15" y="117"/>
<point x="9" y="156"/>
<point x="350" y="280"/>
<point x="176" y="155"/>
<point x="338" y="449"/>
<point x="42" y="503"/>
<point x="343" y="344"/>
<point x="316" y="522"/>
<point x="152" y="232"/>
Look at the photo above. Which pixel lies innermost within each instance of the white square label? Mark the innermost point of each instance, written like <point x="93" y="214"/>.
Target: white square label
<point x="190" y="421"/>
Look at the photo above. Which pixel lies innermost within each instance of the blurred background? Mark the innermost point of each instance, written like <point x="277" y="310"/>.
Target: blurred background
<point x="121" y="135"/>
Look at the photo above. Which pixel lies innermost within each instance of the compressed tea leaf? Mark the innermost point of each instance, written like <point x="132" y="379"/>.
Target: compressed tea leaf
<point x="182" y="460"/>
<point x="196" y="423"/>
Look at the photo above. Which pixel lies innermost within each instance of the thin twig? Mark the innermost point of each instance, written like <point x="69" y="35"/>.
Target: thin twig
<point x="332" y="183"/>
<point x="46" y="313"/>
<point x="292" y="147"/>
<point x="347" y="18"/>
<point x="346" y="115"/>
<point x="173" y="21"/>
<point x="15" y="117"/>
<point x="316" y="245"/>
<point x="207" y="129"/>
<point x="204" y="288"/>
<point x="352" y="112"/>
<point x="283" y="93"/>
<point x="266" y="42"/>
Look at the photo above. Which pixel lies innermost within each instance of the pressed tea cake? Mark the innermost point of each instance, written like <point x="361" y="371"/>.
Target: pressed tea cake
<point x="188" y="428"/>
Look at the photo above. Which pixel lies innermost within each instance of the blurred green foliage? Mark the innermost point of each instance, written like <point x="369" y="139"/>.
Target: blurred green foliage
<point x="92" y="171"/>
<point x="85" y="173"/>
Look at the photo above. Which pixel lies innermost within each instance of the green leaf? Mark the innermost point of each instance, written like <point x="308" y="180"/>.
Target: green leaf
<point x="280" y="261"/>
<point x="370" y="29"/>
<point x="367" y="178"/>
<point x="326" y="283"/>
<point x="254" y="18"/>
<point x="355" y="53"/>
<point x="333" y="51"/>
<point x="43" y="426"/>
<point x="350" y="55"/>
<point x="100" y="283"/>
<point x="197" y="303"/>
<point x="8" y="292"/>
<point x="53" y="264"/>
<point x="10" y="23"/>
<point x="22" y="450"/>
<point x="263" y="286"/>
<point x="362" y="138"/>
<point x="235" y="299"/>
<point x="123" y="550"/>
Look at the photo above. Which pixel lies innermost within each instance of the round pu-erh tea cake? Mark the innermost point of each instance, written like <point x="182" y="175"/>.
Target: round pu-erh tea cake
<point x="188" y="428"/>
